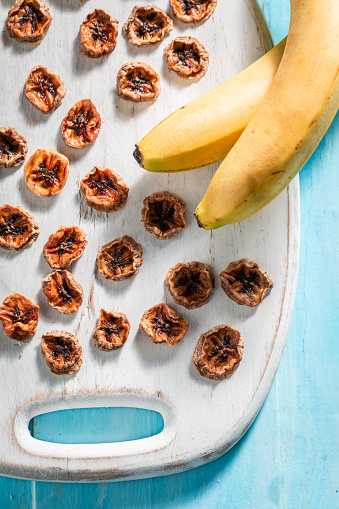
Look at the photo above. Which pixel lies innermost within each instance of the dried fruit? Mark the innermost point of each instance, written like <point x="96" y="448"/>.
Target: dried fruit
<point x="164" y="215"/>
<point x="138" y="82"/>
<point x="111" y="331"/>
<point x="218" y="352"/>
<point x="193" y="11"/>
<point x="104" y="189"/>
<point x="120" y="259"/>
<point x="163" y="325"/>
<point x="19" y="317"/>
<point x="62" y="352"/>
<point x="62" y="291"/>
<point x="81" y="125"/>
<point x="187" y="57"/>
<point x="245" y="282"/>
<point x="28" y="21"/>
<point x="13" y="147"/>
<point x="98" y="34"/>
<point x="147" y="25"/>
<point x="45" y="89"/>
<point x="64" y="246"/>
<point x="190" y="284"/>
<point x="18" y="229"/>
<point x="46" y="172"/>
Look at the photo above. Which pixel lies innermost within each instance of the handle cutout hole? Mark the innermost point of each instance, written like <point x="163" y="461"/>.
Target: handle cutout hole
<point x="96" y="425"/>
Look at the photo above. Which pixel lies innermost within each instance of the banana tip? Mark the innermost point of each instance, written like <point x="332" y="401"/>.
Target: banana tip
<point x="138" y="156"/>
<point x="199" y="223"/>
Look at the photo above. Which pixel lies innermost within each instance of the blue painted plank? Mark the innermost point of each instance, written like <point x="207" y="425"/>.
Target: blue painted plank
<point x="15" y="494"/>
<point x="288" y="459"/>
<point x="277" y="13"/>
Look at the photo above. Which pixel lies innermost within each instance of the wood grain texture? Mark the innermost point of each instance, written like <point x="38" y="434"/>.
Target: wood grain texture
<point x="289" y="457"/>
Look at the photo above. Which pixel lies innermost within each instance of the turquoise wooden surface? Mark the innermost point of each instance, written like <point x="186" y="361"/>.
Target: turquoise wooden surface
<point x="289" y="457"/>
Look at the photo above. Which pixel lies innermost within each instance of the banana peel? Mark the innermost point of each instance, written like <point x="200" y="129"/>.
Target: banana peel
<point x="203" y="131"/>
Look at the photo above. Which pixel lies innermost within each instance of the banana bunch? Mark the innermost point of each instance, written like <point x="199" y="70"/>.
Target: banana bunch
<point x="287" y="114"/>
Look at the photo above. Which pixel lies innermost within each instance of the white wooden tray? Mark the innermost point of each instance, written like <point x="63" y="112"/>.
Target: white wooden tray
<point x="203" y="418"/>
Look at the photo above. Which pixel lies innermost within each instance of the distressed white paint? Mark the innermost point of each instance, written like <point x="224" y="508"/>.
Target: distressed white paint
<point x="202" y="418"/>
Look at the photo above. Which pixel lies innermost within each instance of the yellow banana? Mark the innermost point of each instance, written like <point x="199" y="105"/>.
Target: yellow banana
<point x="203" y="131"/>
<point x="288" y="125"/>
